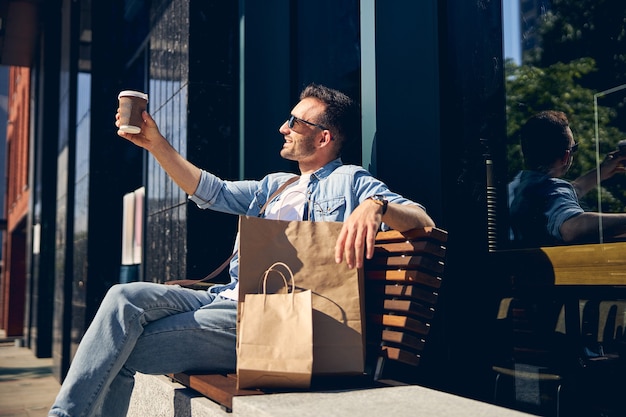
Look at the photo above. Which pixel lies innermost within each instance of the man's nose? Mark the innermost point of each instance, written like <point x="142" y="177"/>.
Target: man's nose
<point x="284" y="128"/>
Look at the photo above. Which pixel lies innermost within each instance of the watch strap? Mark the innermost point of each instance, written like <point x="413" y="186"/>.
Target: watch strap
<point x="381" y="201"/>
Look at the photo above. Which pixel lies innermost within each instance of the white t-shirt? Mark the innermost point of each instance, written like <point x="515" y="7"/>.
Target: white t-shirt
<point x="291" y="204"/>
<point x="290" y="207"/>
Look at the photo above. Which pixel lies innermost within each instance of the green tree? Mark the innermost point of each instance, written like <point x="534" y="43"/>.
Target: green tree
<point x="573" y="29"/>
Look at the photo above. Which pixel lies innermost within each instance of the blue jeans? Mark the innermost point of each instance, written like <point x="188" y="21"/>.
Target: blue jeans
<point x="148" y="328"/>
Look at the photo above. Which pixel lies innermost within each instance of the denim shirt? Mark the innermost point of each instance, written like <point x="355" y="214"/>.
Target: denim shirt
<point x="538" y="206"/>
<point x="334" y="191"/>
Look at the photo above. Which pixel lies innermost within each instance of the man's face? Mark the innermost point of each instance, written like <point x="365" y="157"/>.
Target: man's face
<point x="300" y="140"/>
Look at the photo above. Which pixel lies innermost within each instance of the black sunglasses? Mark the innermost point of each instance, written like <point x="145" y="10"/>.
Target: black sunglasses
<point x="574" y="148"/>
<point x="293" y="119"/>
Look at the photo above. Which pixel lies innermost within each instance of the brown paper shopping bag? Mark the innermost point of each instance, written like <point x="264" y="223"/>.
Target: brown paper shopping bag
<point x="308" y="248"/>
<point x="275" y="346"/>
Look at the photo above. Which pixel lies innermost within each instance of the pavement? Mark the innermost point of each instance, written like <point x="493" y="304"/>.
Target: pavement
<point x="27" y="385"/>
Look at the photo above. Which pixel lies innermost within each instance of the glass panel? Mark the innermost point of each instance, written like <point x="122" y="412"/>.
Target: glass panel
<point x="565" y="55"/>
<point x="166" y="223"/>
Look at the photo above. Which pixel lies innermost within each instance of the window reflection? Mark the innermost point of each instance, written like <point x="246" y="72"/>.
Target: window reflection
<point x="564" y="55"/>
<point x="566" y="114"/>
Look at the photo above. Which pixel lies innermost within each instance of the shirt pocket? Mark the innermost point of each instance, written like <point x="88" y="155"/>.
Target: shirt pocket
<point x="330" y="210"/>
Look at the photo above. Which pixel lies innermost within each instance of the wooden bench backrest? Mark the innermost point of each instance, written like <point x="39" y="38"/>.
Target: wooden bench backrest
<point x="402" y="283"/>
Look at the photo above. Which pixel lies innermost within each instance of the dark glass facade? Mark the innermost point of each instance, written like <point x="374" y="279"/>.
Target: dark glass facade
<point x="222" y="77"/>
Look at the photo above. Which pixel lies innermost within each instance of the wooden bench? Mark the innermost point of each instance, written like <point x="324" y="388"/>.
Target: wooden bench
<point x="402" y="283"/>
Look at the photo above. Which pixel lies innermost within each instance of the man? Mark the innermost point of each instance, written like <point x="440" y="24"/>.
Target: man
<point x="162" y="329"/>
<point x="544" y="209"/>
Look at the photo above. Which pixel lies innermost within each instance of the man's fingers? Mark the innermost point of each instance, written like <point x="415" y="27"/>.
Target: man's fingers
<point x="339" y="245"/>
<point x="358" y="245"/>
<point x="371" y="242"/>
<point x="148" y="120"/>
<point x="348" y="249"/>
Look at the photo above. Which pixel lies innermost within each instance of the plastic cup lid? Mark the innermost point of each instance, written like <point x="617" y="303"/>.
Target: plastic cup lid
<point x="133" y="94"/>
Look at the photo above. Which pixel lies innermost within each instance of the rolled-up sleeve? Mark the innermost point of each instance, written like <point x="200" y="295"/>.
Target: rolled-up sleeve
<point x="208" y="188"/>
<point x="562" y="205"/>
<point x="217" y="194"/>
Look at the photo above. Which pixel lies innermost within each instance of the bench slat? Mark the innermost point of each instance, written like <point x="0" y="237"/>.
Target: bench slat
<point x="221" y="388"/>
<point x="414" y="276"/>
<point x="413" y="234"/>
<point x="411" y="292"/>
<point x="409" y="247"/>
<point x="400" y="355"/>
<point x="408" y="262"/>
<point x="403" y="338"/>
<point x="411" y="307"/>
<point x="407" y="323"/>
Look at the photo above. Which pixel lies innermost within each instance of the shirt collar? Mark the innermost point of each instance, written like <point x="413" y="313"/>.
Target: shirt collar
<point x="327" y="169"/>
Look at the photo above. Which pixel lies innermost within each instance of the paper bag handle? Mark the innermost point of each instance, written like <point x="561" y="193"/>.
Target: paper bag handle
<point x="273" y="268"/>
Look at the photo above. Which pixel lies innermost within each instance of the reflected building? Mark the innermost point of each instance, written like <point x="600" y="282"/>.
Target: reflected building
<point x="531" y="12"/>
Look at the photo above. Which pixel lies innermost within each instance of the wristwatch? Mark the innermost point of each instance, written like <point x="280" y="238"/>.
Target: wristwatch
<point x="381" y="201"/>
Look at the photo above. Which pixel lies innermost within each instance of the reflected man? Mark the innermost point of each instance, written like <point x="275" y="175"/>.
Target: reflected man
<point x="544" y="208"/>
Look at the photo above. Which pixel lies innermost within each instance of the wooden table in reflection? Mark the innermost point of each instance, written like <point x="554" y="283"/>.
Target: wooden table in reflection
<point x="594" y="264"/>
<point x="568" y="273"/>
<point x="601" y="264"/>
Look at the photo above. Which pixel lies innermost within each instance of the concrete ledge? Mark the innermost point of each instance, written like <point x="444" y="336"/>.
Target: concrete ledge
<point x="402" y="401"/>
<point x="158" y="396"/>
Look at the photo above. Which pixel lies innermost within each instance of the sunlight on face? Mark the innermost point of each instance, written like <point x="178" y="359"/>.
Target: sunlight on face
<point x="300" y="140"/>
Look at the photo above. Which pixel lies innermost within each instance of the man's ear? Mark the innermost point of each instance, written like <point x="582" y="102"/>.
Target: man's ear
<point x="326" y="138"/>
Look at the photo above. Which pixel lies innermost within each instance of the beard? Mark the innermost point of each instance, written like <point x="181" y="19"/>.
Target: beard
<point x="298" y="149"/>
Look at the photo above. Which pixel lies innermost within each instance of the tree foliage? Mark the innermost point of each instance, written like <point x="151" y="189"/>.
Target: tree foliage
<point x="573" y="29"/>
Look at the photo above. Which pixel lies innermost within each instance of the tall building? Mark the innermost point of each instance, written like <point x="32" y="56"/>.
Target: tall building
<point x="4" y="119"/>
<point x="16" y="206"/>
<point x="531" y="12"/>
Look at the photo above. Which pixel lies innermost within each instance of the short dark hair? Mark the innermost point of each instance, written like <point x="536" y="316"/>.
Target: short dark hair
<point x="341" y="116"/>
<point x="544" y="138"/>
